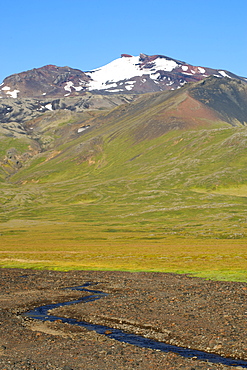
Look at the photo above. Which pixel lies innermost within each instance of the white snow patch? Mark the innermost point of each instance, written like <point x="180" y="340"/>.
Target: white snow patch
<point x="67" y="94"/>
<point x="224" y="74"/>
<point x="44" y="94"/>
<point x="116" y="90"/>
<point x="80" y="130"/>
<point x="83" y="128"/>
<point x="201" y="70"/>
<point x="6" y="88"/>
<point x="185" y="68"/>
<point x="68" y="86"/>
<point x="78" y="88"/>
<point x="154" y="76"/>
<point x="111" y="85"/>
<point x="13" y="93"/>
<point x="165" y="64"/>
<point x="48" y="106"/>
<point x="129" y="87"/>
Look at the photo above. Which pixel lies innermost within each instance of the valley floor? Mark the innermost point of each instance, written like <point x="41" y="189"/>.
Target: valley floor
<point x="177" y="309"/>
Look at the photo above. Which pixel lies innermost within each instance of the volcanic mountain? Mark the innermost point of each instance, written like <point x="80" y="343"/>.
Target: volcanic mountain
<point x="126" y="75"/>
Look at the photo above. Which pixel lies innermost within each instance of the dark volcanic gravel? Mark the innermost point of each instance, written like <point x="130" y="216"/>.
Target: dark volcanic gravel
<point x="177" y="309"/>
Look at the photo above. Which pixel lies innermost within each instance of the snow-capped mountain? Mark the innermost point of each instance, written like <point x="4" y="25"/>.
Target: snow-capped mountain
<point x="128" y="74"/>
<point x="145" y="73"/>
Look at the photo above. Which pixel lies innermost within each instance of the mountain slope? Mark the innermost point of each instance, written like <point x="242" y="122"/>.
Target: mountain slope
<point x="82" y="136"/>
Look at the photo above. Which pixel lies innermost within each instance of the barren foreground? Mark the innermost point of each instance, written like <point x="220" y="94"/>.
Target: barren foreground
<point x="177" y="309"/>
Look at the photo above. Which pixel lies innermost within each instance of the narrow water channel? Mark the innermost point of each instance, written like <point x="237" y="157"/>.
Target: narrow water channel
<point x="42" y="313"/>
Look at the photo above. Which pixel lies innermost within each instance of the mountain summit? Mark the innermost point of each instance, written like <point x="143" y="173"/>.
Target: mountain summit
<point x="128" y="74"/>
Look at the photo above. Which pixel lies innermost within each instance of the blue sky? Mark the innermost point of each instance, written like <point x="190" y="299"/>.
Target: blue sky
<point x="88" y="34"/>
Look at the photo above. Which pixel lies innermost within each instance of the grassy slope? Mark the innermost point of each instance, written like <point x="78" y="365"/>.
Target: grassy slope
<point x="132" y="194"/>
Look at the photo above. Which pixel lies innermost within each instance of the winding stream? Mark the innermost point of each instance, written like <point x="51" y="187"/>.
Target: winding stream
<point x="42" y="313"/>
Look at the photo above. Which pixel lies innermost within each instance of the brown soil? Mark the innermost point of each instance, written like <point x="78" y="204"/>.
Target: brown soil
<point x="177" y="309"/>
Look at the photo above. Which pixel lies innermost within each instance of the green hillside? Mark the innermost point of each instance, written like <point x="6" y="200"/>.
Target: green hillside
<point x="164" y="167"/>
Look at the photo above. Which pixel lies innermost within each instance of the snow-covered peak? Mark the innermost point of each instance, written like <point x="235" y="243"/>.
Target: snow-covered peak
<point x="126" y="68"/>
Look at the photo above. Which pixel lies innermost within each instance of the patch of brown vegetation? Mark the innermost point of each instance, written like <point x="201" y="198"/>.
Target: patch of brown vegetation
<point x="53" y="154"/>
<point x="179" y="112"/>
<point x="193" y="111"/>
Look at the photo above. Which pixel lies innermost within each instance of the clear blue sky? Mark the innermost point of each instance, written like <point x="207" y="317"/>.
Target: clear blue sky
<point x="88" y="34"/>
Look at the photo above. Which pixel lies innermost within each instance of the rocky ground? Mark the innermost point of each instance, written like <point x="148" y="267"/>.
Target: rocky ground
<point x="177" y="309"/>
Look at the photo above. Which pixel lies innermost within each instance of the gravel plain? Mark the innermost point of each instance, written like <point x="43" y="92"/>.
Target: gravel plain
<point x="178" y="309"/>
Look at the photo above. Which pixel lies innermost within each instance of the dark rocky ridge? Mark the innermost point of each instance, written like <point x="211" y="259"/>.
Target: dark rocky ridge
<point x="21" y="110"/>
<point x="228" y="97"/>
